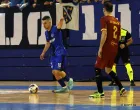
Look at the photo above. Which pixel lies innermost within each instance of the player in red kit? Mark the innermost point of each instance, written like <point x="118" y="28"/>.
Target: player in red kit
<point x="111" y="29"/>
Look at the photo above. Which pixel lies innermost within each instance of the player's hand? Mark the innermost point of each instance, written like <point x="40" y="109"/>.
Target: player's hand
<point x="103" y="1"/>
<point x="18" y="5"/>
<point x="89" y="1"/>
<point x="51" y="3"/>
<point x="46" y="3"/>
<point x="34" y="5"/>
<point x="42" y="56"/>
<point x="8" y="6"/>
<point x="122" y="46"/>
<point x="60" y="1"/>
<point x="96" y="0"/>
<point x="61" y="20"/>
<point x="100" y="53"/>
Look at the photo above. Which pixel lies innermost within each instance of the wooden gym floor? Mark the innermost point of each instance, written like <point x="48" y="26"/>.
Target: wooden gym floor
<point x="15" y="96"/>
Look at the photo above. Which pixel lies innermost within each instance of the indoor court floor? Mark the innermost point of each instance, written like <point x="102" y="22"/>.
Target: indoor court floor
<point x="15" y="96"/>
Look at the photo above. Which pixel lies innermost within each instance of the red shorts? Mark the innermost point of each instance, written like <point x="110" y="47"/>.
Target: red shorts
<point x="107" y="60"/>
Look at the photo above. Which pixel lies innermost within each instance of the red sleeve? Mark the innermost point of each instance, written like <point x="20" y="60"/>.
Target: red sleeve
<point x="103" y="24"/>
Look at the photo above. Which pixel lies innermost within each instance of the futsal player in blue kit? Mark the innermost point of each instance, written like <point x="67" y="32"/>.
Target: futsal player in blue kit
<point x="58" y="53"/>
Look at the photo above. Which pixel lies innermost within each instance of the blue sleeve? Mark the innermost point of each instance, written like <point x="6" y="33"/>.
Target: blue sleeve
<point x="55" y="29"/>
<point x="47" y="36"/>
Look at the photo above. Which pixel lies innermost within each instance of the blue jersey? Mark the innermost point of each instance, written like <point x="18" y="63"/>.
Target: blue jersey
<point x="54" y="36"/>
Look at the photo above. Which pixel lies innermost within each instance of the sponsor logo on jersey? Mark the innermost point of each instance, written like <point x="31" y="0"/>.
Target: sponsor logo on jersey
<point x="52" y="40"/>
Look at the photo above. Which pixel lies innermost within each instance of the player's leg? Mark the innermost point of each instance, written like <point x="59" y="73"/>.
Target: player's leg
<point x="63" y="72"/>
<point x="114" y="68"/>
<point x="126" y="60"/>
<point x="99" y="94"/>
<point x="116" y="61"/>
<point x="60" y="81"/>
<point x="109" y="71"/>
<point x="56" y="67"/>
<point x="112" y="83"/>
<point x="67" y="78"/>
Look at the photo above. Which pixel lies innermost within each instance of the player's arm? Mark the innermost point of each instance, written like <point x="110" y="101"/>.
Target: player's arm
<point x="60" y="24"/>
<point x="47" y="46"/>
<point x="103" y="36"/>
<point x="130" y="40"/>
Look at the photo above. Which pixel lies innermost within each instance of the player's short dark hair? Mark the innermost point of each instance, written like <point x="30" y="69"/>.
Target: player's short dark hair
<point x="46" y="18"/>
<point x="108" y="6"/>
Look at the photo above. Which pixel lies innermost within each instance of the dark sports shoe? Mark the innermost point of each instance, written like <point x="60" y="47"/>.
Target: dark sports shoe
<point x="112" y="83"/>
<point x="122" y="92"/>
<point x="132" y="83"/>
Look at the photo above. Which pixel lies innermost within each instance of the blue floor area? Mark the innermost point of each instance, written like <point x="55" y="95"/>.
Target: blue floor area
<point x="10" y="106"/>
<point x="136" y="88"/>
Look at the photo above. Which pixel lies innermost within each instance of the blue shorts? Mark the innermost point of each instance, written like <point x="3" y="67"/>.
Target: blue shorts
<point x="58" y="63"/>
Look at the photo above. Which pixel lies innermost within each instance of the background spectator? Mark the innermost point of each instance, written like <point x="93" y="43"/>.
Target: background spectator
<point x="66" y="1"/>
<point x="42" y="2"/>
<point x="23" y="4"/>
<point x="49" y="2"/>
<point x="16" y="2"/>
<point x="4" y="3"/>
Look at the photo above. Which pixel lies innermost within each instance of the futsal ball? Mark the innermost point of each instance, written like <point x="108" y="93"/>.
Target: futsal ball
<point x="33" y="88"/>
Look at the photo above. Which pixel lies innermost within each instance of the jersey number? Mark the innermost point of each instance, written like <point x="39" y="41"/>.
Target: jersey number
<point x="114" y="33"/>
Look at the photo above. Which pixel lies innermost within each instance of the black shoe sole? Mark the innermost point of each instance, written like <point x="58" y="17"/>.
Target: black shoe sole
<point x="123" y="94"/>
<point x="97" y="97"/>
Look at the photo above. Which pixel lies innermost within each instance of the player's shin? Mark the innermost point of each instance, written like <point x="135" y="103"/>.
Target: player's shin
<point x="60" y="81"/>
<point x="114" y="69"/>
<point x="99" y="80"/>
<point x="65" y="76"/>
<point x="129" y="71"/>
<point x="68" y="79"/>
<point x="116" y="79"/>
<point x="59" y="78"/>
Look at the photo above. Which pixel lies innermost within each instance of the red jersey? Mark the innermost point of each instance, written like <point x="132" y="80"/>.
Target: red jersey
<point x="110" y="47"/>
<point x="113" y="27"/>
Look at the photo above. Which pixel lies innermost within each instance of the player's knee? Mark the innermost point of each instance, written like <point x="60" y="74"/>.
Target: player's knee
<point x="114" y="64"/>
<point x="55" y="72"/>
<point x="57" y="77"/>
<point x="97" y="72"/>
